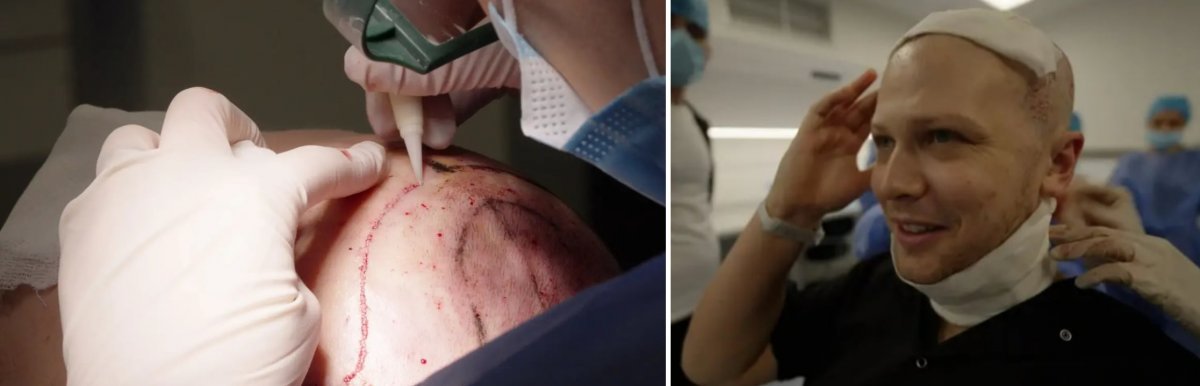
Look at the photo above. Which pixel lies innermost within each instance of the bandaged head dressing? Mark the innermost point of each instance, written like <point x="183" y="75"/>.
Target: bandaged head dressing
<point x="1019" y="268"/>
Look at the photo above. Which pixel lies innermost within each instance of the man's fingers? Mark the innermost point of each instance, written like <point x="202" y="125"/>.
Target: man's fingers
<point x="122" y="142"/>
<point x="859" y="117"/>
<point x="845" y="95"/>
<point x="200" y="119"/>
<point x="1116" y="273"/>
<point x="327" y="173"/>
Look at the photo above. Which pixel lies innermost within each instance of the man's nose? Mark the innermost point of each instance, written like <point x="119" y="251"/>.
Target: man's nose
<point x="899" y="177"/>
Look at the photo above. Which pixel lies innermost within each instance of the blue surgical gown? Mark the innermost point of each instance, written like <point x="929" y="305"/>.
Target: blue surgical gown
<point x="1166" y="191"/>
<point x="614" y="333"/>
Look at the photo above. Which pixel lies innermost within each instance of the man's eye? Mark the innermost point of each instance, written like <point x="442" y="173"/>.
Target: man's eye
<point x="943" y="136"/>
<point x="881" y="141"/>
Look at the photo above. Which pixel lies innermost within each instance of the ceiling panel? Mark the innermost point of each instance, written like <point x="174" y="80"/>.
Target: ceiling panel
<point x="1034" y="10"/>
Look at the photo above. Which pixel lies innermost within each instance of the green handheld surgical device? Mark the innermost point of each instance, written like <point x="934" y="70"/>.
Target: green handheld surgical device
<point x="420" y="35"/>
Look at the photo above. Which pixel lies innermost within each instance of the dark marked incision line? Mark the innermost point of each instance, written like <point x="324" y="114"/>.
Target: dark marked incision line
<point x="443" y="168"/>
<point x="509" y="229"/>
<point x="365" y="250"/>
<point x="480" y="332"/>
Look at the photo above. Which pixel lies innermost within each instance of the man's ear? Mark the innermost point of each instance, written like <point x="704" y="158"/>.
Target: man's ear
<point x="1063" y="158"/>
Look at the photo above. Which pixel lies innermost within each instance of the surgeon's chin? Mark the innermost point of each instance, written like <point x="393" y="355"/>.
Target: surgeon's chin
<point x="925" y="267"/>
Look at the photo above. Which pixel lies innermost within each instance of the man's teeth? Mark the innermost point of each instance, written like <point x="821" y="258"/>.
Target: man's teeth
<point x="911" y="228"/>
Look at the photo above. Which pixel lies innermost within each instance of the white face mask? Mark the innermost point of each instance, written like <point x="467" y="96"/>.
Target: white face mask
<point x="1012" y="273"/>
<point x="551" y="111"/>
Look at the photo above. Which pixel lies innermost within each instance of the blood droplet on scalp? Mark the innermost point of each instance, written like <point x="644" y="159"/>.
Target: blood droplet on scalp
<point x="439" y="234"/>
<point x="422" y="360"/>
<point x="407" y="213"/>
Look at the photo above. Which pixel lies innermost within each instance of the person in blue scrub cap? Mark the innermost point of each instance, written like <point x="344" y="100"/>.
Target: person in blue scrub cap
<point x="610" y="111"/>
<point x="1165" y="185"/>
<point x="695" y="249"/>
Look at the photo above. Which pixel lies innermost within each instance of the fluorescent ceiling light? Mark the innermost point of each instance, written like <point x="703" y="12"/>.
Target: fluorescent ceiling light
<point x="1005" y="5"/>
<point x="751" y="133"/>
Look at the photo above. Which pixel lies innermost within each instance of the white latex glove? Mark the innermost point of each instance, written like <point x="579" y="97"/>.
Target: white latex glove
<point x="1087" y="204"/>
<point x="177" y="261"/>
<point x="452" y="92"/>
<point x="1148" y="265"/>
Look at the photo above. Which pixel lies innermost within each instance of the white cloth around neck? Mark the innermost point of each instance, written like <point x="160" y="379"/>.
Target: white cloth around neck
<point x="1015" y="271"/>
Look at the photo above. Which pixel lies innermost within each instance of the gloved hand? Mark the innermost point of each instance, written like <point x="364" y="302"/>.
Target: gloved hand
<point x="1148" y="265"/>
<point x="1087" y="204"/>
<point x="177" y="261"/>
<point x="818" y="173"/>
<point x="452" y="92"/>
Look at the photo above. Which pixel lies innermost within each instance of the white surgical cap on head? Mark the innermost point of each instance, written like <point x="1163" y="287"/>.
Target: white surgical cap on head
<point x="1007" y="34"/>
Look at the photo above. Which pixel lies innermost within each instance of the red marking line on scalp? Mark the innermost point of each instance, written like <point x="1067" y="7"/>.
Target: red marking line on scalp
<point x="362" y="282"/>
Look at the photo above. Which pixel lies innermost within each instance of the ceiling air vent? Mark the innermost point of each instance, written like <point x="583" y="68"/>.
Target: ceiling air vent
<point x="800" y="17"/>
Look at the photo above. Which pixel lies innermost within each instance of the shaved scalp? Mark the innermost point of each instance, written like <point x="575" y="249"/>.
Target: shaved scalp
<point x="1050" y="99"/>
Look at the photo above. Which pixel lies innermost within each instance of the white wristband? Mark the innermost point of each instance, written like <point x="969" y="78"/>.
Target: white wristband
<point x="808" y="237"/>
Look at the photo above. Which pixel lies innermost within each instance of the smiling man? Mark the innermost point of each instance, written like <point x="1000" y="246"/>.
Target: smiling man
<point x="971" y="122"/>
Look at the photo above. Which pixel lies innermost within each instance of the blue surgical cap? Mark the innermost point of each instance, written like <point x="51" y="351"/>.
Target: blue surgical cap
<point x="1076" y="125"/>
<point x="1178" y="103"/>
<point x="694" y="11"/>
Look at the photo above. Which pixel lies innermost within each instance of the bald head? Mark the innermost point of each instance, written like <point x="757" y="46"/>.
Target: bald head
<point x="1046" y="101"/>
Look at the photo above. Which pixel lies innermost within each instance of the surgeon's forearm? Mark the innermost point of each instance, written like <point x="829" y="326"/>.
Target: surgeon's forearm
<point x="732" y="325"/>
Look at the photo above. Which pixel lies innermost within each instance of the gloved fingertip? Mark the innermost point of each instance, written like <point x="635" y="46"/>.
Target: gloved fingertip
<point x="371" y="148"/>
<point x="379" y="116"/>
<point x="439" y="132"/>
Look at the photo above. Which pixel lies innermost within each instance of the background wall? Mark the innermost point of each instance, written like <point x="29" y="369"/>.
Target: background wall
<point x="1125" y="54"/>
